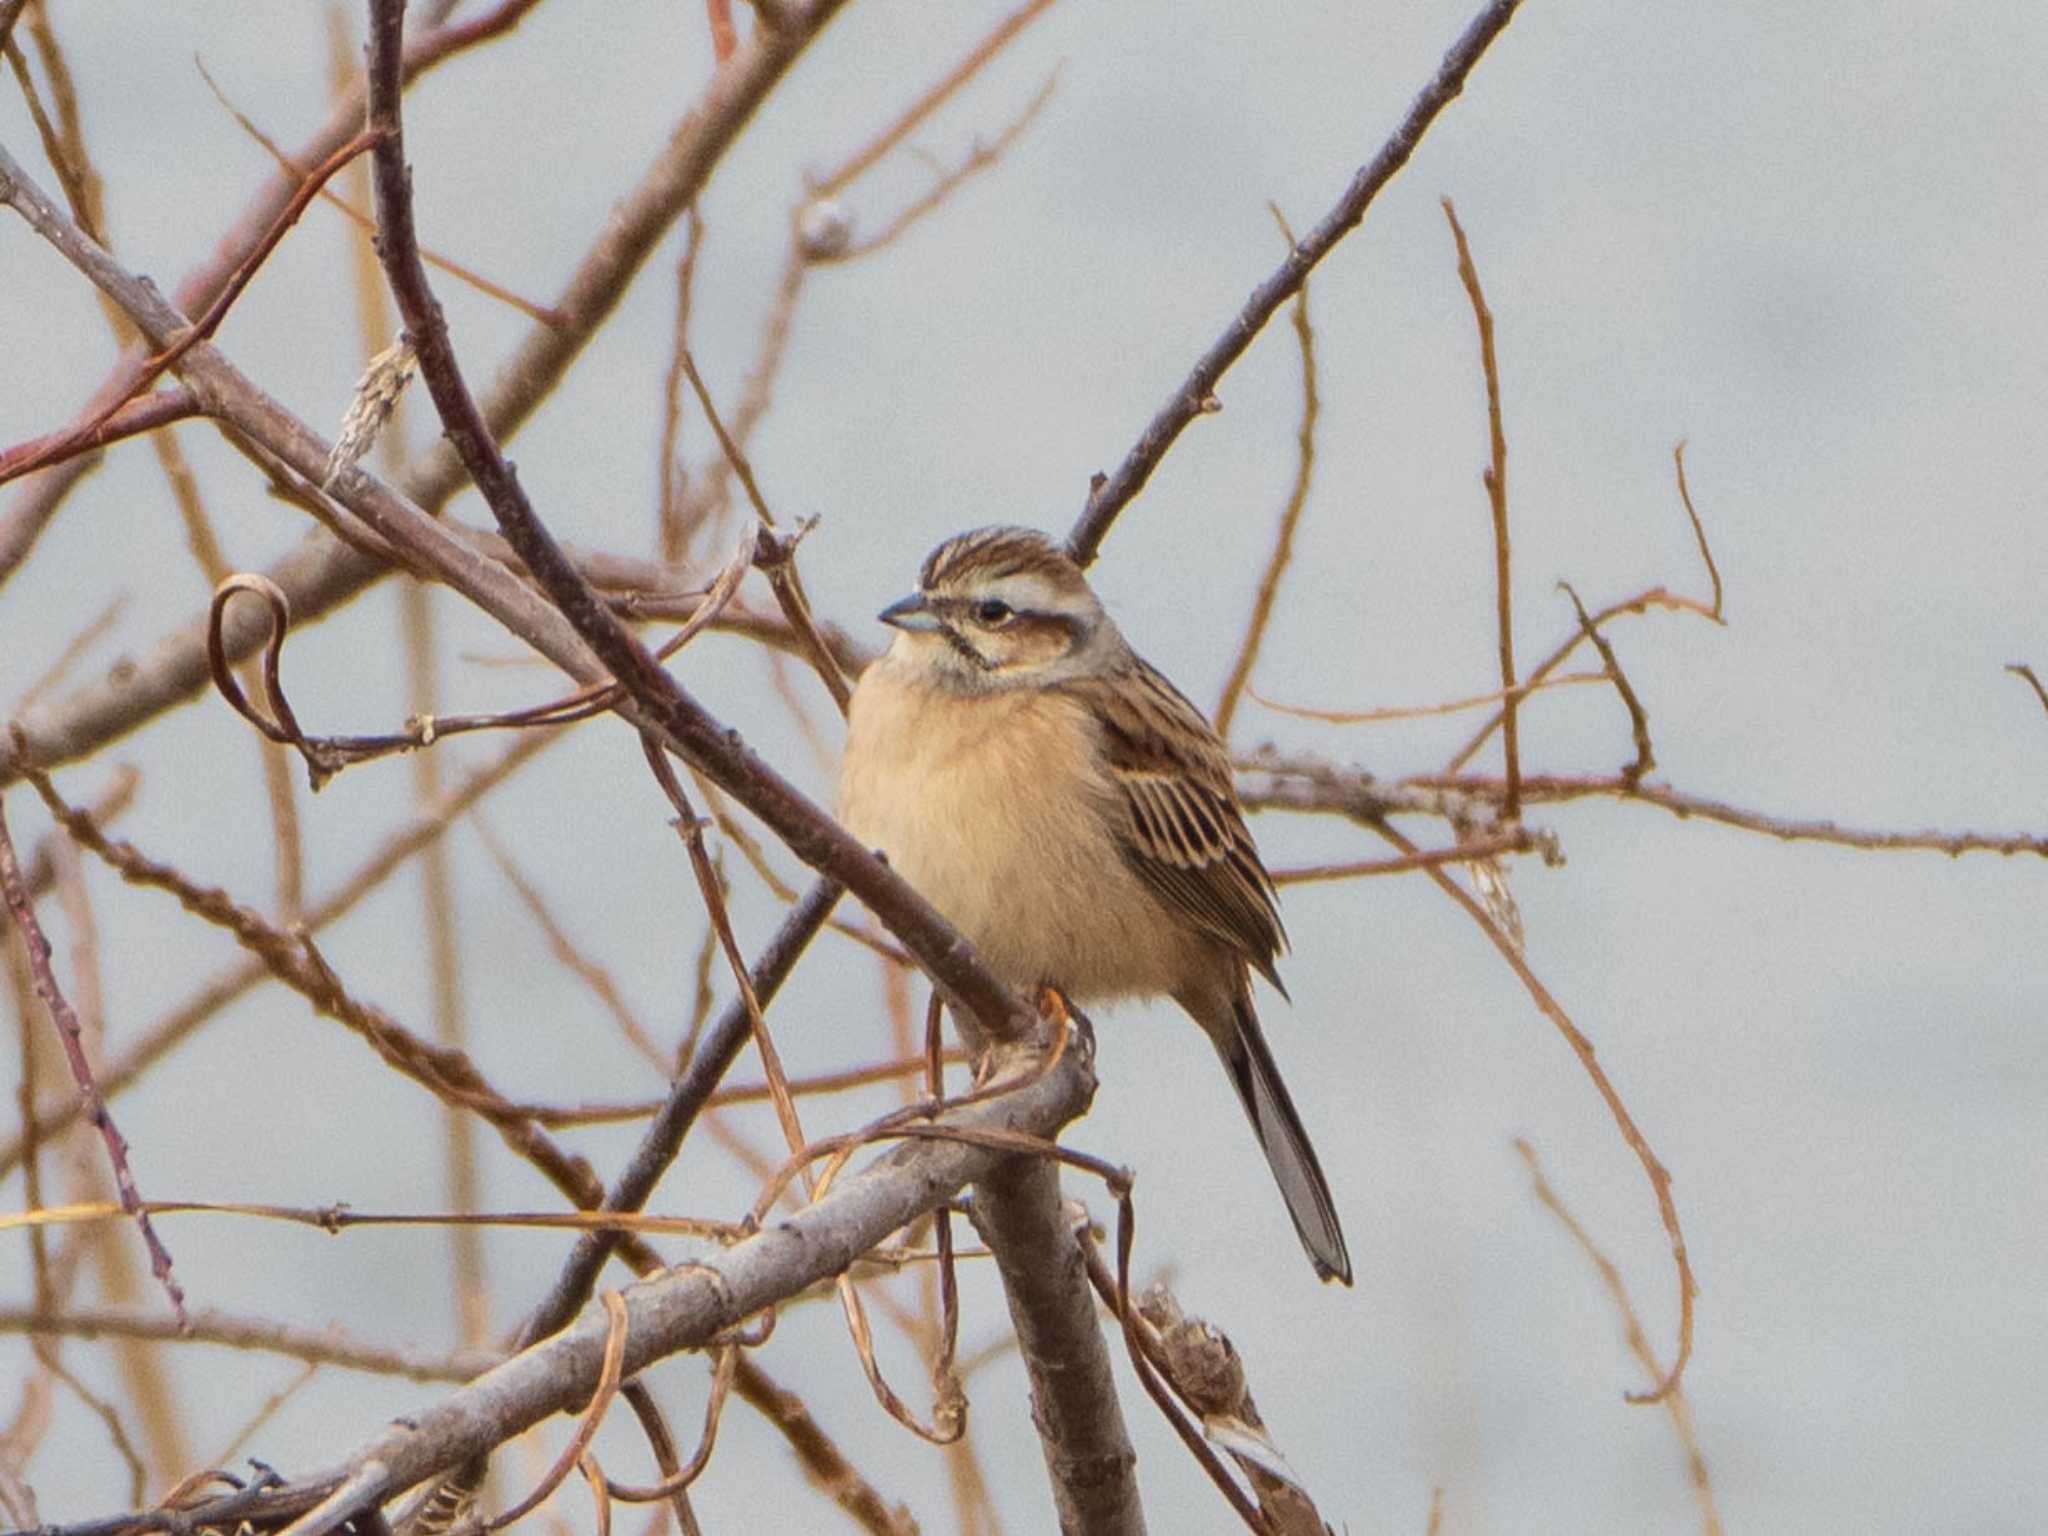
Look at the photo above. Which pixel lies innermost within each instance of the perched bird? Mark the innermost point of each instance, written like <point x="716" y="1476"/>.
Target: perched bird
<point x="1073" y="815"/>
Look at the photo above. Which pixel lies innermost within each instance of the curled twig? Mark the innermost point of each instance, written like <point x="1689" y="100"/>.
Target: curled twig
<point x="676" y="1480"/>
<point x="586" y="1428"/>
<point x="324" y="756"/>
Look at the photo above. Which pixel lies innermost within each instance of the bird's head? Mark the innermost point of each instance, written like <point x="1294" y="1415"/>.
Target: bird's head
<point x="1000" y="608"/>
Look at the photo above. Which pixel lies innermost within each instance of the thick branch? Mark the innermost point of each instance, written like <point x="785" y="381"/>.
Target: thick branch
<point x="1017" y="1210"/>
<point x="685" y="1308"/>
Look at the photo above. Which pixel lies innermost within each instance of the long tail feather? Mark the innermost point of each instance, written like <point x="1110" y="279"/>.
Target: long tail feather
<point x="1285" y="1141"/>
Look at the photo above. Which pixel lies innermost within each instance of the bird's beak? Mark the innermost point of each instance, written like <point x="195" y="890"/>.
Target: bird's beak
<point x="910" y="613"/>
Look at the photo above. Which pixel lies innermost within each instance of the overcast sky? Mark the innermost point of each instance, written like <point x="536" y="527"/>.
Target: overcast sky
<point x="1807" y="238"/>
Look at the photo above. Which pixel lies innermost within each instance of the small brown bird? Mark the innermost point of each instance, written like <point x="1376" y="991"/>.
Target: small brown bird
<point x="1073" y="815"/>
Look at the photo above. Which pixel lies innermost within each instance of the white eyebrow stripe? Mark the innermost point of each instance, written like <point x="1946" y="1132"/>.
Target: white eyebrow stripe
<point x="1029" y="592"/>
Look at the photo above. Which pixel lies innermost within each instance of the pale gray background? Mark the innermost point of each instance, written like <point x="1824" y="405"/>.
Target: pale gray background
<point x="1808" y="237"/>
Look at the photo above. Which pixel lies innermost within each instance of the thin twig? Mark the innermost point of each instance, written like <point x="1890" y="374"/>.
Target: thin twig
<point x="586" y="970"/>
<point x="691" y="830"/>
<point x="1699" y="532"/>
<point x="465" y="275"/>
<point x="1496" y="481"/>
<point x="206" y="1325"/>
<point x="1640" y="603"/>
<point x="1557" y="788"/>
<point x="672" y="532"/>
<point x="865" y="157"/>
<point x="21" y="908"/>
<point x="774" y="554"/>
<point x="1517" y="839"/>
<point x="982" y="157"/>
<point x="145" y="413"/>
<point x="1659" y="1176"/>
<point x="1638" y="1341"/>
<point x="1638" y="719"/>
<point x="1521" y="690"/>
<point x="2021" y="670"/>
<point x="151" y="368"/>
<point x="1290" y="514"/>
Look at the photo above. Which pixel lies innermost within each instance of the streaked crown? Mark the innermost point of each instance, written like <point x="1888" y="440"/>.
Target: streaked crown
<point x="986" y="556"/>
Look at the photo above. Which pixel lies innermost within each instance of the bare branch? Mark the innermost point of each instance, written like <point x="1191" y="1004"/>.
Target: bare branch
<point x="681" y="1309"/>
<point x="1197" y="391"/>
<point x="207" y="1325"/>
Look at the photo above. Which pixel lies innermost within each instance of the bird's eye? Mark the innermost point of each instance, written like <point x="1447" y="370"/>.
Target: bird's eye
<point x="993" y="611"/>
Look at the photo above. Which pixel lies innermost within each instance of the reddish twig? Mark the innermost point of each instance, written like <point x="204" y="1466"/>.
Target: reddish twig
<point x="676" y="1480"/>
<point x="691" y="830"/>
<point x="672" y="531"/>
<point x="864" y="158"/>
<point x="1518" y="839"/>
<point x="586" y="1427"/>
<point x="1659" y="1176"/>
<point x="1638" y="1341"/>
<point x="368" y="225"/>
<point x="724" y="37"/>
<point x="981" y="157"/>
<point x="150" y="369"/>
<point x="1641" y="602"/>
<point x="130" y="418"/>
<point x="21" y="907"/>
<point x="1521" y="690"/>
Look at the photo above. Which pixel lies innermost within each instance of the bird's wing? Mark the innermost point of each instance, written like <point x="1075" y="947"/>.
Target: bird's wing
<point x="1182" y="830"/>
